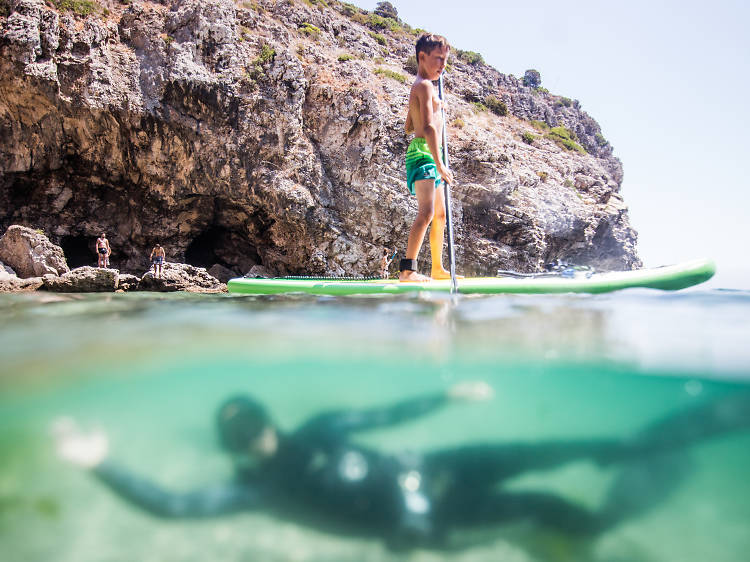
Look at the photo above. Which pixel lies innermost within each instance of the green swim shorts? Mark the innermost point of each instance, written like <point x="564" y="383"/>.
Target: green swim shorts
<point x="420" y="164"/>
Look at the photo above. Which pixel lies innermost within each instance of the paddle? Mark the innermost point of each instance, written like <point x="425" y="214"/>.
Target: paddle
<point x="446" y="187"/>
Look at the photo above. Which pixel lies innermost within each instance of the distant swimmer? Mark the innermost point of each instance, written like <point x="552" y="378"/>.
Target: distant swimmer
<point x="318" y="474"/>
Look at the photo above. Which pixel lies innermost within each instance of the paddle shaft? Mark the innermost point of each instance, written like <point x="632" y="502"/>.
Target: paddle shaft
<point x="447" y="191"/>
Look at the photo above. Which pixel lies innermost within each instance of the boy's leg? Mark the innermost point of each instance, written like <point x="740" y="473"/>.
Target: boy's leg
<point x="425" y="192"/>
<point x="437" y="237"/>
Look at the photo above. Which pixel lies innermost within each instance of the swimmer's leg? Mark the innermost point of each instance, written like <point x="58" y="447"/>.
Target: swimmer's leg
<point x="483" y="466"/>
<point x="461" y="510"/>
<point x="643" y="484"/>
<point x="425" y="192"/>
<point x="697" y="423"/>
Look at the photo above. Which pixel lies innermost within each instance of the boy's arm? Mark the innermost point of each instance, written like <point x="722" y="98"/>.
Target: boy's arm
<point x="143" y="493"/>
<point x="409" y="126"/>
<point x="425" y="93"/>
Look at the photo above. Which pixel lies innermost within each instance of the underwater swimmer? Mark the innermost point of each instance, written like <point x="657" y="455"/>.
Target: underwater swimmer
<point x="317" y="474"/>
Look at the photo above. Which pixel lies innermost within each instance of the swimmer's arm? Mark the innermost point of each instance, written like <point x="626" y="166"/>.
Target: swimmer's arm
<point x="409" y="125"/>
<point x="345" y="421"/>
<point x="358" y="420"/>
<point x="152" y="498"/>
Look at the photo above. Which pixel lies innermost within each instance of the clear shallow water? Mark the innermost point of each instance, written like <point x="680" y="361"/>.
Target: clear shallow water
<point x="150" y="369"/>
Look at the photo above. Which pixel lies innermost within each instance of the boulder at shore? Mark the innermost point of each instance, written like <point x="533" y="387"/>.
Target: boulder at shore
<point x="85" y="279"/>
<point x="30" y="253"/>
<point x="181" y="277"/>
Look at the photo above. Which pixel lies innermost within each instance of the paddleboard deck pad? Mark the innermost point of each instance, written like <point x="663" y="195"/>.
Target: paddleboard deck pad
<point x="668" y="278"/>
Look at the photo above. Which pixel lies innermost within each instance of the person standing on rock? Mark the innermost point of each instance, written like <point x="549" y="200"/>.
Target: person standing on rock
<point x="157" y="259"/>
<point x="424" y="168"/>
<point x="103" y="250"/>
<point x="385" y="261"/>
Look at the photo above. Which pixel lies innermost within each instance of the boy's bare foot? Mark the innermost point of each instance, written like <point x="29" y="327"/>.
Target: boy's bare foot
<point x="443" y="274"/>
<point x="408" y="275"/>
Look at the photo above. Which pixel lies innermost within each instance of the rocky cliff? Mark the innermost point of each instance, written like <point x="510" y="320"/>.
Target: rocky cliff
<point x="270" y="133"/>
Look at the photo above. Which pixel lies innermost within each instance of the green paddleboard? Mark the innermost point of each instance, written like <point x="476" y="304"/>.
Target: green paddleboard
<point x="669" y="278"/>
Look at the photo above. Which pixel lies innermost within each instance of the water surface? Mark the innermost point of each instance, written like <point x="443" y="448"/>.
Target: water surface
<point x="150" y="370"/>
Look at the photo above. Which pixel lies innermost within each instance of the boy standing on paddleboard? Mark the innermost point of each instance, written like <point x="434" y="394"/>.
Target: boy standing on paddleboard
<point x="424" y="167"/>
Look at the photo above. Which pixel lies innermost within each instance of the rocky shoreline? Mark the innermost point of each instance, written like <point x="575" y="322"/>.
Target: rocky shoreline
<point x="30" y="262"/>
<point x="271" y="134"/>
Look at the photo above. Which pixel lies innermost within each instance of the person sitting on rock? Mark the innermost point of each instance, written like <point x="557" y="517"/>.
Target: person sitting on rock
<point x="103" y="250"/>
<point x="157" y="259"/>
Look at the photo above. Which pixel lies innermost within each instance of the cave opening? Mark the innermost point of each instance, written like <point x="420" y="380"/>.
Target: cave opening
<point x="202" y="250"/>
<point x="78" y="250"/>
<point x="219" y="245"/>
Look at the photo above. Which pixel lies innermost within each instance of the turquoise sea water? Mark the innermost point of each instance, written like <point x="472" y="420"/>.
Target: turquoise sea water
<point x="150" y="369"/>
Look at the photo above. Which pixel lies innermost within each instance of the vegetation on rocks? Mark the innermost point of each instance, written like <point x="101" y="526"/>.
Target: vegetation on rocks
<point x="411" y="65"/>
<point x="379" y="37"/>
<point x="469" y="57"/>
<point x="390" y="74"/>
<point x="496" y="105"/>
<point x="566" y="138"/>
<point x="532" y="78"/>
<point x="310" y="30"/>
<point x="78" y="7"/>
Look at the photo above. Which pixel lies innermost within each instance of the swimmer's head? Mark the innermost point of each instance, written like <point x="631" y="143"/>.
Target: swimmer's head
<point x="245" y="429"/>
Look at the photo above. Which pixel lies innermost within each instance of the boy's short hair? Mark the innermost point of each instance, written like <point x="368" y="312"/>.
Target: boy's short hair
<point x="429" y="41"/>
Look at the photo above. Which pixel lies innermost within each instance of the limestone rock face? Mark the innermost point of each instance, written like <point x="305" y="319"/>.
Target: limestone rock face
<point x="83" y="280"/>
<point x="6" y="270"/>
<point x="128" y="282"/>
<point x="221" y="273"/>
<point x="30" y="253"/>
<point x="181" y="277"/>
<point x="271" y="134"/>
<point x="14" y="284"/>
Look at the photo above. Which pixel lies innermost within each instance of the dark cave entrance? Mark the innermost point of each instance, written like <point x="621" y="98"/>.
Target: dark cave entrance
<point x="219" y="245"/>
<point x="202" y="251"/>
<point x="79" y="250"/>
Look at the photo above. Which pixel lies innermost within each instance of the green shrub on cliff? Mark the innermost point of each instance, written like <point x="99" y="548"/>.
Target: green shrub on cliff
<point x="380" y="38"/>
<point x="532" y="78"/>
<point x="411" y="65"/>
<point x="390" y="74"/>
<point x="78" y="7"/>
<point x="310" y="30"/>
<point x="478" y="107"/>
<point x="348" y="9"/>
<point x="469" y="57"/>
<point x="566" y="138"/>
<point x="496" y="105"/>
<point x="377" y="22"/>
<point x="267" y="53"/>
<point x="528" y="137"/>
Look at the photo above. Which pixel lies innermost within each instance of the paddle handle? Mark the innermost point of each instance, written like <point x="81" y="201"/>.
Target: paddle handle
<point x="447" y="192"/>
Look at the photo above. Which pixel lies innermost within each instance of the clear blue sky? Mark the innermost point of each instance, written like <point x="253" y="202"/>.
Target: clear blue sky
<point x="668" y="82"/>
